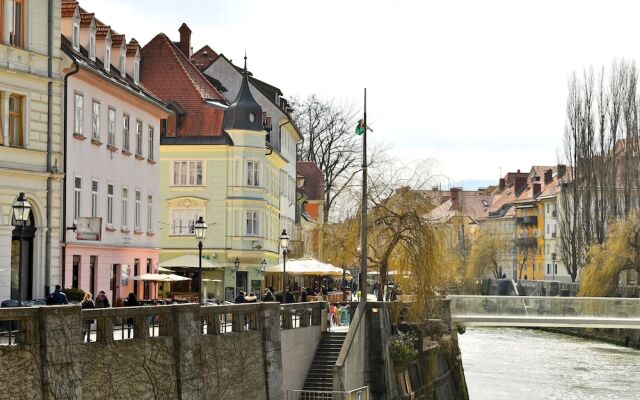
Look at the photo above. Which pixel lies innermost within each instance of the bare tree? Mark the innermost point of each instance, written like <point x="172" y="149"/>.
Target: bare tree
<point x="330" y="143"/>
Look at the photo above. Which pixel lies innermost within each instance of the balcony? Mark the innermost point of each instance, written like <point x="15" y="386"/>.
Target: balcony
<point x="527" y="240"/>
<point x="528" y="220"/>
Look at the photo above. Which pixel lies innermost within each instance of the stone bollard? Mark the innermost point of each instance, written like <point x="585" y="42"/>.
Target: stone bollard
<point x="186" y="341"/>
<point x="272" y="345"/>
<point x="60" y="344"/>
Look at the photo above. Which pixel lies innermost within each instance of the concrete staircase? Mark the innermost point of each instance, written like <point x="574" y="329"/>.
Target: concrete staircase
<point x="320" y="375"/>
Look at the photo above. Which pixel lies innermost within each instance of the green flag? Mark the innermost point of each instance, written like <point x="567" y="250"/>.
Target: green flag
<point x="360" y="128"/>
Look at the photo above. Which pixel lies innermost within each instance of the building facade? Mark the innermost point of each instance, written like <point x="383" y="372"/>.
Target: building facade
<point x="112" y="129"/>
<point x="30" y="146"/>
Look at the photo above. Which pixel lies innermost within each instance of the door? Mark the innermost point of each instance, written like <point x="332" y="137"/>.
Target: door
<point x="22" y="240"/>
<point x="136" y="272"/>
<point x="241" y="281"/>
<point x="114" y="283"/>
<point x="75" y="276"/>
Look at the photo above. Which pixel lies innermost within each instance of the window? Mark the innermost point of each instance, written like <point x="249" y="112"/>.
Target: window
<point x="16" y="132"/>
<point x="252" y="224"/>
<point x="150" y="153"/>
<point x="183" y="220"/>
<point x="75" y="273"/>
<point x="79" y="114"/>
<point x="137" y="211"/>
<point x="136" y="70"/>
<point x="16" y="30"/>
<point x="548" y="269"/>
<point x="110" y="204"/>
<point x="94" y="199"/>
<point x="111" y="127"/>
<point x="139" y="138"/>
<point x="95" y="120"/>
<point x="77" y="196"/>
<point x="149" y="214"/>
<point x="107" y="56"/>
<point x="125" y="132"/>
<point x="125" y="208"/>
<point x="75" y="38"/>
<point x="92" y="46"/>
<point x="187" y="173"/>
<point x="123" y="54"/>
<point x="92" y="273"/>
<point x="253" y="173"/>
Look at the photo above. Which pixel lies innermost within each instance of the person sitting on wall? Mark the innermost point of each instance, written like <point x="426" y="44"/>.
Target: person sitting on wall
<point x="240" y="298"/>
<point x="57" y="297"/>
<point x="268" y="296"/>
<point x="288" y="296"/>
<point x="101" y="300"/>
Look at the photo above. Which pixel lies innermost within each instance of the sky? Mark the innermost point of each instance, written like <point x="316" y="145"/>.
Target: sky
<point x="479" y="86"/>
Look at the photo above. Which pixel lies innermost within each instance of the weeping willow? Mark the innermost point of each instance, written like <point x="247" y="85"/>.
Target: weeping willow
<point x="608" y="261"/>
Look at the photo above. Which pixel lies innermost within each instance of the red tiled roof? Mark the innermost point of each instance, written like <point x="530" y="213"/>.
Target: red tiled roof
<point x="68" y="8"/>
<point x="86" y="18"/>
<point x="203" y="57"/>
<point x="169" y="74"/>
<point x="132" y="47"/>
<point x="313" y="180"/>
<point x="102" y="31"/>
<point x="116" y="39"/>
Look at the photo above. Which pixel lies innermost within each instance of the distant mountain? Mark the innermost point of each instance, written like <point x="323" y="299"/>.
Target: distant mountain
<point x="474" y="184"/>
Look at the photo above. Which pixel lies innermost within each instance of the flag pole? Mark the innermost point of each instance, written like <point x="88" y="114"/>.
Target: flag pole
<point x="363" y="208"/>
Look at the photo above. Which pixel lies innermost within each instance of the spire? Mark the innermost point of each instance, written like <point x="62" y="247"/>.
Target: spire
<point x="244" y="113"/>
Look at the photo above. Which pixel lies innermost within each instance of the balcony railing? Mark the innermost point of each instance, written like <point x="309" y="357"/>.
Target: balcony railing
<point x="527" y="240"/>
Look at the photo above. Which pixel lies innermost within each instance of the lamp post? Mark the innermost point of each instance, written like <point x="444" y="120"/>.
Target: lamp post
<point x="553" y="265"/>
<point x="200" y="229"/>
<point x="21" y="210"/>
<point x="284" y="245"/>
<point x="263" y="268"/>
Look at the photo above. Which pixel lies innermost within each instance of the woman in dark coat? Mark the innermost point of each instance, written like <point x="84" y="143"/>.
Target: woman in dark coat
<point x="132" y="301"/>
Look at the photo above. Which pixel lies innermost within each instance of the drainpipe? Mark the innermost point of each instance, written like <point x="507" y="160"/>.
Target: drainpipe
<point x="47" y="250"/>
<point x="64" y="178"/>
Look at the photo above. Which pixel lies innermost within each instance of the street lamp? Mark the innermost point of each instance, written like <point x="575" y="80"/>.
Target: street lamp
<point x="21" y="210"/>
<point x="263" y="268"/>
<point x="284" y="245"/>
<point x="236" y="264"/>
<point x="200" y="229"/>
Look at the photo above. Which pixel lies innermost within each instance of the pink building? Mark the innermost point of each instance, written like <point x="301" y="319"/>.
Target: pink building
<point x="112" y="129"/>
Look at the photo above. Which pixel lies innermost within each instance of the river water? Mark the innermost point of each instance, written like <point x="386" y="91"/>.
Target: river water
<point x="524" y="364"/>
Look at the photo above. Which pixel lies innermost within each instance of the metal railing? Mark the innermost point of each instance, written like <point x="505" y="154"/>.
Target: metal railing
<point x="542" y="311"/>
<point x="356" y="394"/>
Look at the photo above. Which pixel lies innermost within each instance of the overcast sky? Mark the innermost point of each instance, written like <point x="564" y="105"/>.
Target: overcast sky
<point x="477" y="85"/>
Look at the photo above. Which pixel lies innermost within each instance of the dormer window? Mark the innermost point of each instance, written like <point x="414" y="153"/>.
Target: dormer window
<point x="107" y="55"/>
<point x="75" y="39"/>
<point x="92" y="46"/>
<point x="136" y="70"/>
<point x="123" y="58"/>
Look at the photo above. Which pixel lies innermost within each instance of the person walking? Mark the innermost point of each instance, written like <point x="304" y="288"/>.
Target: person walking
<point x="132" y="301"/>
<point x="303" y="295"/>
<point x="101" y="300"/>
<point x="57" y="297"/>
<point x="87" y="303"/>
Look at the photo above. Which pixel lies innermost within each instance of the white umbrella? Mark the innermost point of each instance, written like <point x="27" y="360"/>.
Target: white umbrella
<point x="188" y="261"/>
<point x="308" y="266"/>
<point x="149" y="277"/>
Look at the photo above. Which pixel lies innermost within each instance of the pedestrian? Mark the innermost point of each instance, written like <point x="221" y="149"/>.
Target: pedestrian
<point x="376" y="289"/>
<point x="268" y="296"/>
<point x="240" y="298"/>
<point x="101" y="300"/>
<point x="57" y="297"/>
<point x="132" y="301"/>
<point x="87" y="303"/>
<point x="288" y="296"/>
<point x="251" y="298"/>
<point x="303" y="295"/>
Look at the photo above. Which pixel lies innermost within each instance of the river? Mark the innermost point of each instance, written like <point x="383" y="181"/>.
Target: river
<point x="524" y="364"/>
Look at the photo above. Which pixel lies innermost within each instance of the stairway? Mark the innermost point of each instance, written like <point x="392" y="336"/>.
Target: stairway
<point x="320" y="375"/>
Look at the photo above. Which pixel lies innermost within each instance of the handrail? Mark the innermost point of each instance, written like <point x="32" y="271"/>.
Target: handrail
<point x="353" y="328"/>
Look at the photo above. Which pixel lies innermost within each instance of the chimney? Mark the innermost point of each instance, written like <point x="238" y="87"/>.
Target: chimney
<point x="562" y="169"/>
<point x="185" y="39"/>
<point x="502" y="184"/>
<point x="521" y="182"/>
<point x="455" y="194"/>
<point x="537" y="188"/>
<point x="548" y="176"/>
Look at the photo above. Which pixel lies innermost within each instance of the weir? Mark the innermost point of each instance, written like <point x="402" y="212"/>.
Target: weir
<point x="540" y="311"/>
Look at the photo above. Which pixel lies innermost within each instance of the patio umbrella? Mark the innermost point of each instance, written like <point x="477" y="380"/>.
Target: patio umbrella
<point x="149" y="277"/>
<point x="309" y="266"/>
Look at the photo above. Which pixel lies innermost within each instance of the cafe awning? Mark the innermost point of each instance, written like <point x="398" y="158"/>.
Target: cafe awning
<point x="308" y="266"/>
<point x="160" y="278"/>
<point x="188" y="261"/>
